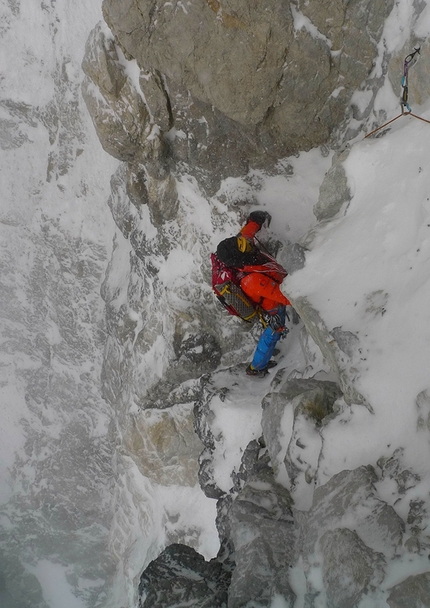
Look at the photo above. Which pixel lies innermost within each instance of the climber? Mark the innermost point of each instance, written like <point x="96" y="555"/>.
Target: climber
<point x="259" y="278"/>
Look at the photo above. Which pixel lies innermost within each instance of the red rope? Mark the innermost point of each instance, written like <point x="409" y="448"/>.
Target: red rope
<point x="419" y="117"/>
<point x="381" y="127"/>
<point x="393" y="119"/>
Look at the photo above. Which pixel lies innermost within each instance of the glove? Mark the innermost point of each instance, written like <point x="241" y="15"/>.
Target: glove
<point x="260" y="217"/>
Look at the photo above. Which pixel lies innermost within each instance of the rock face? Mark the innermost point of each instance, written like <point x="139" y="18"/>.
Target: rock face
<point x="413" y="592"/>
<point x="203" y="91"/>
<point x="180" y="576"/>
<point x="227" y="85"/>
<point x="164" y="445"/>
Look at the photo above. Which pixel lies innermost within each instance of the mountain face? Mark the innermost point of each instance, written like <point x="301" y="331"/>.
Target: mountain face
<point x="190" y="96"/>
<point x="139" y="465"/>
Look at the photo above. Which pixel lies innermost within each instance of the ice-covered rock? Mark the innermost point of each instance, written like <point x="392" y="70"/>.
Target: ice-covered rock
<point x="334" y="190"/>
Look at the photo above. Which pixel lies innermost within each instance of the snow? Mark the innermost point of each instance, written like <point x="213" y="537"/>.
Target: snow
<point x="378" y="290"/>
<point x="56" y="589"/>
<point x="303" y="22"/>
<point x="237" y="422"/>
<point x="368" y="272"/>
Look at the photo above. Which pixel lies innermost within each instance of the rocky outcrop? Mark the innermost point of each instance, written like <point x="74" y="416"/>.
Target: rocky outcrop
<point x="309" y="398"/>
<point x="334" y="190"/>
<point x="352" y="494"/>
<point x="125" y="127"/>
<point x="350" y="568"/>
<point x="180" y="576"/>
<point x="210" y="89"/>
<point x="414" y="592"/>
<point x="223" y="55"/>
<point x="263" y="536"/>
<point x="184" y="84"/>
<point x="118" y="110"/>
<point x="349" y="534"/>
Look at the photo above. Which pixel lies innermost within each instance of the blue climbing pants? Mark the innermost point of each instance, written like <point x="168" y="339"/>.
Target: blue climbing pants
<point x="267" y="342"/>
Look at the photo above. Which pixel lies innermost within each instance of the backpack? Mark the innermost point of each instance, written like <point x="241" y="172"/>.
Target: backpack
<point x="225" y="284"/>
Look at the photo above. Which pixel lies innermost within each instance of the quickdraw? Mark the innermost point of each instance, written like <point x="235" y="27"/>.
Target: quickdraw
<point x="410" y="60"/>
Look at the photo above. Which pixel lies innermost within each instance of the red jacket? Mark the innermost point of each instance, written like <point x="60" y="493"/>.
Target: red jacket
<point x="269" y="265"/>
<point x="261" y="280"/>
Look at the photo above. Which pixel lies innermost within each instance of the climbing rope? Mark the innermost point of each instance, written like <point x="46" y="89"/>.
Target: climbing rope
<point x="410" y="60"/>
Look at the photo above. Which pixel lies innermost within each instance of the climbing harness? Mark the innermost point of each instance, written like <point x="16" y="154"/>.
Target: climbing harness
<point x="410" y="60"/>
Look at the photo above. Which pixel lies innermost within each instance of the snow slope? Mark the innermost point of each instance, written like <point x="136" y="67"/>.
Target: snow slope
<point x="378" y="289"/>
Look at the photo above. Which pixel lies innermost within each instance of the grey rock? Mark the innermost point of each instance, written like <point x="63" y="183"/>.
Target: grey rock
<point x="154" y="87"/>
<point x="312" y="353"/>
<point x="251" y="464"/>
<point x="125" y="215"/>
<point x="334" y="190"/>
<point x="263" y="534"/>
<point x="181" y="576"/>
<point x="211" y="145"/>
<point x="312" y="408"/>
<point x="162" y="199"/>
<point x="353" y="494"/>
<point x="203" y="417"/>
<point x="413" y="592"/>
<point x="125" y="127"/>
<point x="423" y="407"/>
<point x="349" y="568"/>
<point x="221" y="57"/>
<point x="200" y="349"/>
<point x="394" y="469"/>
<point x="292" y="257"/>
<point x="346" y="340"/>
<point x="136" y="185"/>
<point x="165" y="448"/>
<point x="312" y="399"/>
<point x="349" y="532"/>
<point x="119" y="113"/>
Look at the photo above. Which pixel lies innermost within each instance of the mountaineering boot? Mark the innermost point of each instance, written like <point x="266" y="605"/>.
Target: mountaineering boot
<point x="257" y="373"/>
<point x="260" y="373"/>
